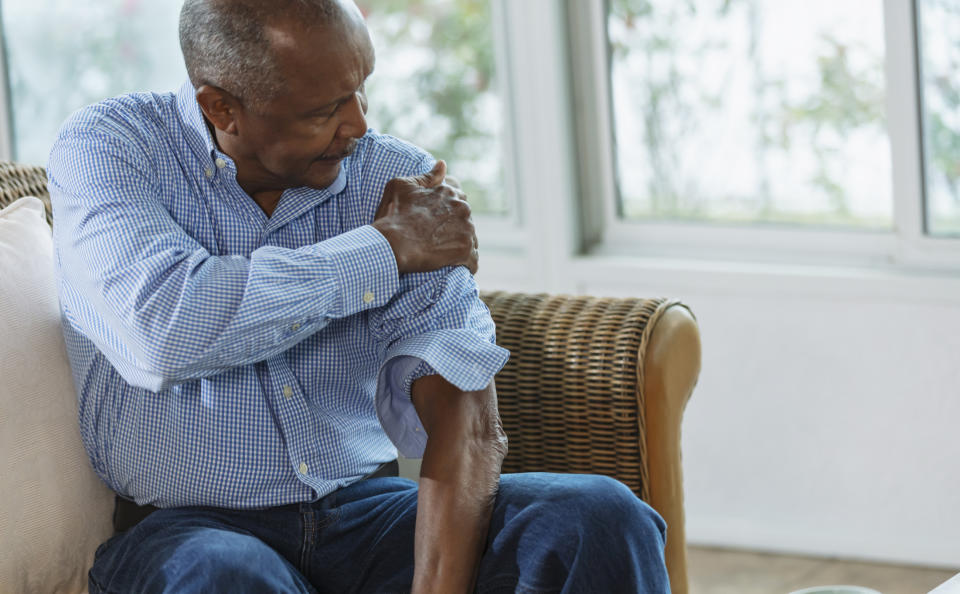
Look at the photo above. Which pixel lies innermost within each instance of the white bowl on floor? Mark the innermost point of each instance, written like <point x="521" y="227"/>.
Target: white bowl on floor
<point x="836" y="590"/>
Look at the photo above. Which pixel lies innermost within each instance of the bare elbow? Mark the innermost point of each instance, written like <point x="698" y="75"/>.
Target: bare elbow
<point x="489" y="427"/>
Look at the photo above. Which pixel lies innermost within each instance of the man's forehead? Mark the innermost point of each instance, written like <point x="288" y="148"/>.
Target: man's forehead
<point x="324" y="42"/>
<point x="324" y="61"/>
<point x="329" y="7"/>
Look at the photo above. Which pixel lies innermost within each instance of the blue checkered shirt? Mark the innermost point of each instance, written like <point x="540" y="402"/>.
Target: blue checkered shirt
<point x="230" y="359"/>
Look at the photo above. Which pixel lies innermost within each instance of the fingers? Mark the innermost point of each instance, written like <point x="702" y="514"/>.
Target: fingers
<point x="432" y="178"/>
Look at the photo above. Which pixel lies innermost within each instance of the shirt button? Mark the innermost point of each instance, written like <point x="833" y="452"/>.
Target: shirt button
<point x="287" y="392"/>
<point x="367" y="297"/>
<point x="303" y="468"/>
<point x="208" y="172"/>
<point x="295" y="327"/>
<point x="220" y="163"/>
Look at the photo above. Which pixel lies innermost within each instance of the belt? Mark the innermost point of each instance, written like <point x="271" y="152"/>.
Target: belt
<point x="127" y="514"/>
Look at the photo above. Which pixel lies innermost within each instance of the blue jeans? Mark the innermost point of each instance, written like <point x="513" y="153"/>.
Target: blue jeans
<point x="548" y="533"/>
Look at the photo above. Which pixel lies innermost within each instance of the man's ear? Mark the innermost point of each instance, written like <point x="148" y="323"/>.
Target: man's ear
<point x="220" y="107"/>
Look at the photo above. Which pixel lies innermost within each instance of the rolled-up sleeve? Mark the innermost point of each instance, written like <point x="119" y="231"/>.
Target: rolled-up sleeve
<point x="436" y="322"/>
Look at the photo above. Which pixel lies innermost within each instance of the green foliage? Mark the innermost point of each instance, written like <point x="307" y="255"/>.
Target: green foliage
<point x="453" y="83"/>
<point x="845" y="101"/>
<point x="677" y="103"/>
<point x="64" y="55"/>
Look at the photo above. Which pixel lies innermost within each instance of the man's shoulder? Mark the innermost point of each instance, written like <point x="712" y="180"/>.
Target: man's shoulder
<point x="385" y="151"/>
<point x="134" y="116"/>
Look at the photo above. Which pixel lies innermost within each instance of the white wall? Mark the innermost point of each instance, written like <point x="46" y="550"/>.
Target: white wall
<point x="826" y="417"/>
<point x="826" y="426"/>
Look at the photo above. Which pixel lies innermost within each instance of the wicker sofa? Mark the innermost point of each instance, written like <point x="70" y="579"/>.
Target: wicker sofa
<point x="593" y="385"/>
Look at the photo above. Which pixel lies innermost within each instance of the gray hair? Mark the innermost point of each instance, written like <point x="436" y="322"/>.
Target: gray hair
<point x="224" y="43"/>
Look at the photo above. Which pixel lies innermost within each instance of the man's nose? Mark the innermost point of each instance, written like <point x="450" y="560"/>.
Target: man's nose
<point x="354" y="122"/>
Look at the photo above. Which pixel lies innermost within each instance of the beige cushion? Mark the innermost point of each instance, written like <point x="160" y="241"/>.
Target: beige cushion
<point x="54" y="511"/>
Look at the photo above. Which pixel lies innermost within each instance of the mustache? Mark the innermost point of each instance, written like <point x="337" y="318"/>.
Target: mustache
<point x="346" y="152"/>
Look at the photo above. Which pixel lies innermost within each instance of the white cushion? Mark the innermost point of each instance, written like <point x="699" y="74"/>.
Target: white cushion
<point x="54" y="511"/>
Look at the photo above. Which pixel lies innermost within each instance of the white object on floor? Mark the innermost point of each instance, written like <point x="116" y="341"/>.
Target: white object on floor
<point x="951" y="586"/>
<point x="836" y="590"/>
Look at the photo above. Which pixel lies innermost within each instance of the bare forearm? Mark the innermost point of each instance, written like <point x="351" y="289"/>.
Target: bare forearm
<point x="458" y="483"/>
<point x="453" y="517"/>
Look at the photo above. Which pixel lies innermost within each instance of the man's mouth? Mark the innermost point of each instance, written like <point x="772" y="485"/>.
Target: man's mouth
<point x="346" y="152"/>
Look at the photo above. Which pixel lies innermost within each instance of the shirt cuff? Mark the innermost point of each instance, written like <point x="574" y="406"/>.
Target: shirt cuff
<point x="463" y="357"/>
<point x="421" y="370"/>
<point x="396" y="412"/>
<point x="367" y="274"/>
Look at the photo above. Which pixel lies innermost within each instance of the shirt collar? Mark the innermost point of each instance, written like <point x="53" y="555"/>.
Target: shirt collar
<point x="198" y="134"/>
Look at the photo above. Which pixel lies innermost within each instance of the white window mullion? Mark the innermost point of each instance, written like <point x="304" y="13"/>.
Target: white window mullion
<point x="502" y="51"/>
<point x="903" y="124"/>
<point x="590" y="71"/>
<point x="503" y="237"/>
<point x="6" y="129"/>
<point x="544" y="155"/>
<point x="916" y="249"/>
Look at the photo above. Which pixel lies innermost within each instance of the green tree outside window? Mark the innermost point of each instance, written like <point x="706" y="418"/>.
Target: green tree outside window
<point x="751" y="111"/>
<point x="435" y="85"/>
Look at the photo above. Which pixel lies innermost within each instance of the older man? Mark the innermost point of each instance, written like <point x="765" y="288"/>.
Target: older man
<point x="263" y="302"/>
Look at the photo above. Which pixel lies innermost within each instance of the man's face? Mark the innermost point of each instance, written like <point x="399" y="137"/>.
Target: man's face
<point x="300" y="137"/>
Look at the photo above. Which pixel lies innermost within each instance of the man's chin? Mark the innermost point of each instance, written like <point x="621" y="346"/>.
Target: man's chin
<point x="322" y="173"/>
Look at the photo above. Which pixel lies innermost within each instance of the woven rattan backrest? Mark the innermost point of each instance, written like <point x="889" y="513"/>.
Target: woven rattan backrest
<point x="17" y="181"/>
<point x="571" y="396"/>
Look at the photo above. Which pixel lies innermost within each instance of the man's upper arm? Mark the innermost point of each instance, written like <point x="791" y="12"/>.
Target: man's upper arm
<point x="158" y="304"/>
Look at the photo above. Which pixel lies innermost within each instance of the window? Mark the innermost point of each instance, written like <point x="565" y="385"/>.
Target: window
<point x="435" y="85"/>
<point x="939" y="34"/>
<point x="738" y="130"/>
<point x="751" y="111"/>
<point x="63" y="55"/>
<point x="435" y="82"/>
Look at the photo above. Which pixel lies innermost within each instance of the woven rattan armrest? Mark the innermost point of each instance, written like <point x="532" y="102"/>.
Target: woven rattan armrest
<point x="17" y="181"/>
<point x="599" y="386"/>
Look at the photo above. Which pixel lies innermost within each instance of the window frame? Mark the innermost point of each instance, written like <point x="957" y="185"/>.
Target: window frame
<point x="6" y="119"/>
<point x="906" y="247"/>
<point x="504" y="230"/>
<point x="562" y="227"/>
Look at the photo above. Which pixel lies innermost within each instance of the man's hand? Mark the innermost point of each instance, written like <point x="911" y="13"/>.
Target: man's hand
<point x="427" y="223"/>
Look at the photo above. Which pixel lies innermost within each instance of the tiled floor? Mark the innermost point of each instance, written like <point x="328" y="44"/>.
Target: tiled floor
<point x="721" y="571"/>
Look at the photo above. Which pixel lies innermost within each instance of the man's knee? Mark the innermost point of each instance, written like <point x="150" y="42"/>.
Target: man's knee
<point x="575" y="532"/>
<point x="593" y="507"/>
<point x="621" y="504"/>
<point x="605" y="508"/>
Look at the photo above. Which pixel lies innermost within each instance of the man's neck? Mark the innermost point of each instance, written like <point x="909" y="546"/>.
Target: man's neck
<point x="266" y="193"/>
<point x="267" y="201"/>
